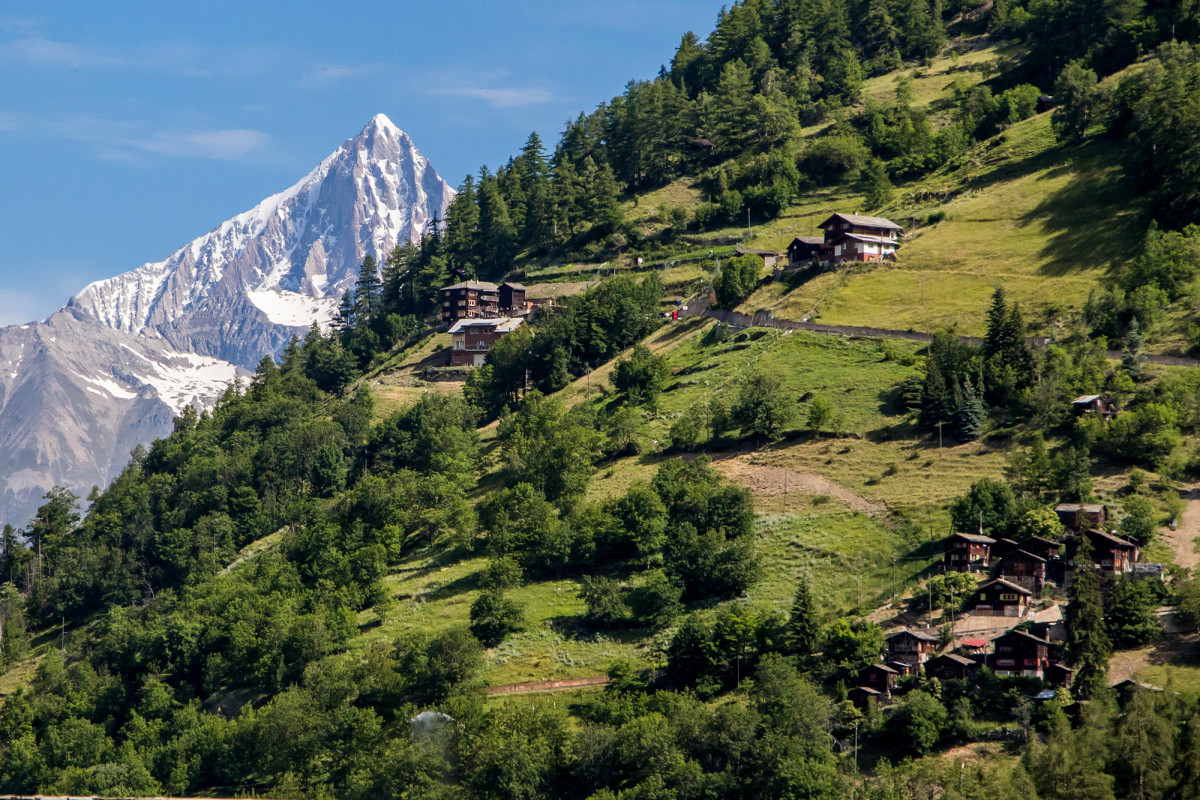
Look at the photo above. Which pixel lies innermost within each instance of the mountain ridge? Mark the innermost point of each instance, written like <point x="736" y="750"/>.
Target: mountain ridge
<point x="110" y="370"/>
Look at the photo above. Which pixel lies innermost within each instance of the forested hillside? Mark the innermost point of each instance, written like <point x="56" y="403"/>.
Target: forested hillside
<point x="307" y="591"/>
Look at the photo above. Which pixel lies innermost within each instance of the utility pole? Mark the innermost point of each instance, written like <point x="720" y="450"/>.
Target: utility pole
<point x="856" y="748"/>
<point x="749" y="230"/>
<point x="893" y="579"/>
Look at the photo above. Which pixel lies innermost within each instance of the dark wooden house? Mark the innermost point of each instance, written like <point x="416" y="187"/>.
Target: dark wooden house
<point x="1110" y="553"/>
<point x="856" y="238"/>
<point x="879" y="677"/>
<point x="1020" y="653"/>
<point x="1024" y="569"/>
<point x="967" y="552"/>
<point x="911" y="647"/>
<point x="863" y="696"/>
<point x="1094" y="404"/>
<point x="469" y="300"/>
<point x="950" y="667"/>
<point x="804" y="250"/>
<point x="1081" y="516"/>
<point x="512" y="299"/>
<point x="1000" y="598"/>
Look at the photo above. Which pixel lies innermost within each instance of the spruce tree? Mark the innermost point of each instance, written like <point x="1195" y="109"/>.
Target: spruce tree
<point x="970" y="416"/>
<point x="1144" y="748"/>
<point x="1088" y="645"/>
<point x="1134" y="360"/>
<point x="993" y="339"/>
<point x="1186" y="770"/>
<point x="802" y="626"/>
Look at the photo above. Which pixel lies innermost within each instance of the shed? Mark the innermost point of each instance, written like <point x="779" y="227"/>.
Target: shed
<point x="863" y="696"/>
<point x="950" y="667"/>
<point x="804" y="250"/>
<point x="770" y="257"/>
<point x="1097" y="404"/>
<point x="879" y="677"/>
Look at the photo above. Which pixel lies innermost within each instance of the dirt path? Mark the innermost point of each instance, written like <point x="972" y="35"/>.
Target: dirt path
<point x="548" y="686"/>
<point x="1183" y="539"/>
<point x="766" y="480"/>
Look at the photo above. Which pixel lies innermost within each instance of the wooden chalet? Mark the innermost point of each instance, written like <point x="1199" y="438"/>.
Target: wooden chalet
<point x="950" y="667"/>
<point x="770" y="257"/>
<point x="1003" y="547"/>
<point x="863" y="696"/>
<point x="1081" y="516"/>
<point x="856" y="238"/>
<point x="1000" y="598"/>
<point x="512" y="299"/>
<point x="879" y="677"/>
<point x="967" y="552"/>
<point x="469" y="300"/>
<point x="1094" y="404"/>
<point x="804" y="250"/>
<point x="471" y="339"/>
<point x="1024" y="569"/>
<point x="911" y="647"/>
<point x="1018" y="653"/>
<point x="1110" y="553"/>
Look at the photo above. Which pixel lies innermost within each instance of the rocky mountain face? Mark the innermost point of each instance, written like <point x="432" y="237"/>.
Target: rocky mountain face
<point x="81" y="389"/>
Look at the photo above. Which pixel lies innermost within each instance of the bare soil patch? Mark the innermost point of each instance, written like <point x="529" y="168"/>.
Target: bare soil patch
<point x="1182" y="540"/>
<point x="769" y="481"/>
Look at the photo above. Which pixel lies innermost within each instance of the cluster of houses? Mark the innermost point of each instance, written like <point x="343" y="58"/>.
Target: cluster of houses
<point x="1018" y="571"/>
<point x="1027" y="653"/>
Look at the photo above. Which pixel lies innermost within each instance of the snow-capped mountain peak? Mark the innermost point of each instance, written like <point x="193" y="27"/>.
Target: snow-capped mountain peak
<point x="303" y="244"/>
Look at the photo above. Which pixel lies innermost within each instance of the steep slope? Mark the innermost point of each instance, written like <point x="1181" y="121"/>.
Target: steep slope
<point x="82" y="388"/>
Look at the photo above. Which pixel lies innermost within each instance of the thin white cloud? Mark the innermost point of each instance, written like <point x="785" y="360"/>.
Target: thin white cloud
<point x="502" y="98"/>
<point x="49" y="52"/>
<point x="223" y="145"/>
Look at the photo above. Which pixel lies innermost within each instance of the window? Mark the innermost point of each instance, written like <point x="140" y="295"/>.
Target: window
<point x="1008" y="596"/>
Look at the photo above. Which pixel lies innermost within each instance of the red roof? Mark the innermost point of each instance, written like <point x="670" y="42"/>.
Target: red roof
<point x="975" y="642"/>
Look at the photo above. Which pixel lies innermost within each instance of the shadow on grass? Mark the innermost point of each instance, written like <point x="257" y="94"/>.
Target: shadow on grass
<point x="1085" y="228"/>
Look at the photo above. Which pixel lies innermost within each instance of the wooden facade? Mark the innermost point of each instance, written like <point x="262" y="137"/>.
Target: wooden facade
<point x="804" y="250"/>
<point x="1000" y="598"/>
<point x="1024" y="569"/>
<point x="1110" y="553"/>
<point x="911" y="647"/>
<point x="879" y="677"/>
<point x="1081" y="516"/>
<point x="950" y="667"/>
<point x="512" y="299"/>
<point x="1019" y="653"/>
<point x="1098" y="405"/>
<point x="967" y="552"/>
<point x="469" y="300"/>
<point x="857" y="238"/>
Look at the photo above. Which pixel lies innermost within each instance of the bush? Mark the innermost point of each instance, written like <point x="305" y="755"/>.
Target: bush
<point x="494" y="616"/>
<point x="918" y="722"/>
<point x="605" y="605"/>
<point x="657" y="601"/>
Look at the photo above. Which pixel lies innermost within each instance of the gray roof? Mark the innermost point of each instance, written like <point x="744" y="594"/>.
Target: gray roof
<point x="809" y="239"/>
<point x="957" y="659"/>
<point x="1015" y="632"/>
<point x="482" y="286"/>
<point x="977" y="538"/>
<point x="864" y="221"/>
<point x="1087" y="398"/>
<point x="1020" y="552"/>
<point x="512" y="285"/>
<point x="1117" y="540"/>
<point x="924" y="637"/>
<point x="1092" y="507"/>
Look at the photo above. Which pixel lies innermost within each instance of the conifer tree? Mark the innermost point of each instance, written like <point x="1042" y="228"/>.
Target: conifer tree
<point x="1088" y="645"/>
<point x="802" y="629"/>
<point x="970" y="416"/>
<point x="1144" y="748"/>
<point x="1186" y="772"/>
<point x="1134" y="360"/>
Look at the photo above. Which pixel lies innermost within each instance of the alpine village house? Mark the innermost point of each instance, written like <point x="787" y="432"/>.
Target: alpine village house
<point x="848" y="238"/>
<point x="479" y="314"/>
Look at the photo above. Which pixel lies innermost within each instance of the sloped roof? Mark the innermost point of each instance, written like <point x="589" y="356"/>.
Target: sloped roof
<point x="956" y="659"/>
<point x="1016" y="632"/>
<point x="866" y="689"/>
<point x="977" y="538"/>
<point x="809" y="240"/>
<point x="1006" y="585"/>
<point x="512" y="285"/>
<point x="924" y="637"/>
<point x="975" y="642"/>
<point x="864" y="221"/>
<point x="501" y="324"/>
<point x="883" y="667"/>
<point x="859" y="237"/>
<point x="1020" y="552"/>
<point x="482" y="286"/>
<point x="1090" y="507"/>
<point x="1087" y="398"/>
<point x="1117" y="540"/>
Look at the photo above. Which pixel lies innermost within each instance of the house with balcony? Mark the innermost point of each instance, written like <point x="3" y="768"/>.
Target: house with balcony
<point x="1018" y="653"/>
<point x="911" y="648"/>
<point x="967" y="552"/>
<point x="851" y="238"/>
<point x="471" y="339"/>
<point x="470" y="300"/>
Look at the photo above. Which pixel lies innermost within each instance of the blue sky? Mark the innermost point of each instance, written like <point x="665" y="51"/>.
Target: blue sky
<point x="127" y="129"/>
